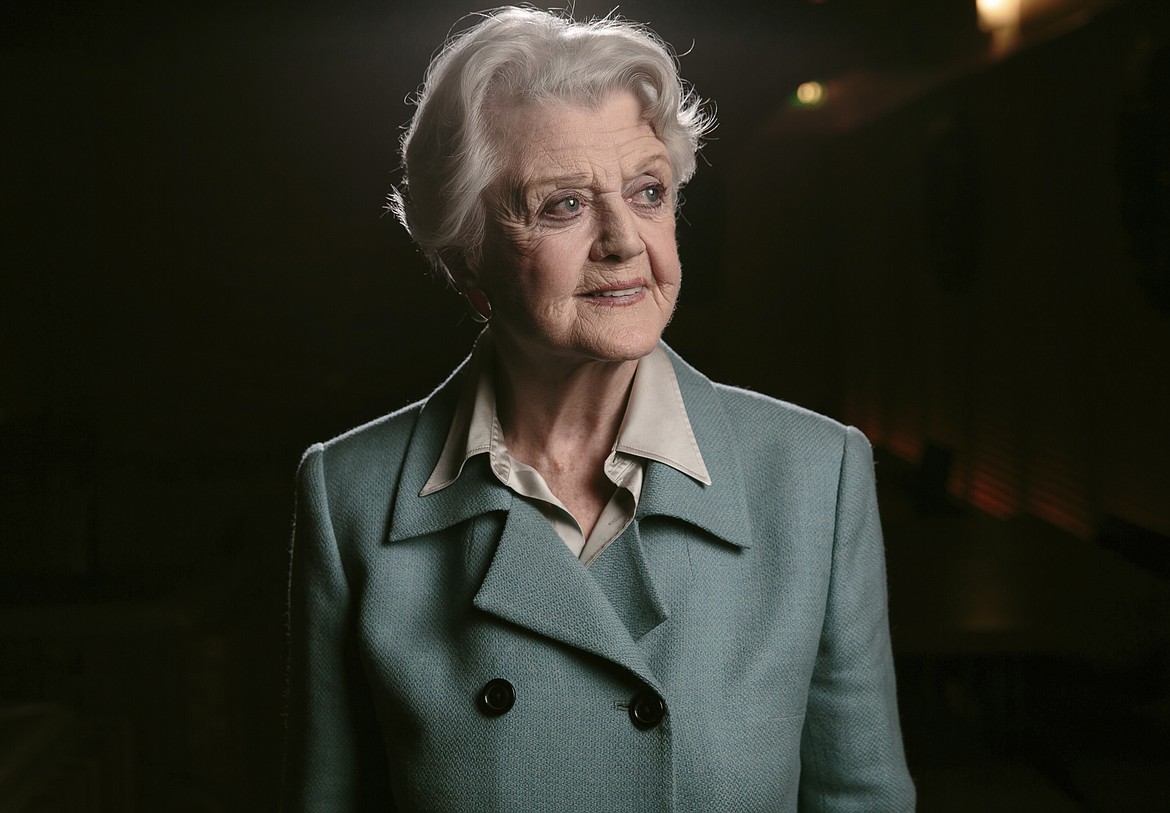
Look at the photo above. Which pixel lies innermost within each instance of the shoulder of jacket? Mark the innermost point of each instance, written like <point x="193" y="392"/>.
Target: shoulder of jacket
<point x="355" y="474"/>
<point x="763" y="427"/>
<point x="783" y="417"/>
<point x="377" y="435"/>
<point x="372" y="452"/>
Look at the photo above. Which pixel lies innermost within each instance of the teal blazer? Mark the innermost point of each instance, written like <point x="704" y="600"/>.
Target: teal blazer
<point x="741" y="625"/>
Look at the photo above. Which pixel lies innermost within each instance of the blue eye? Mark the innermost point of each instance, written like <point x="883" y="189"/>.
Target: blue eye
<point x="565" y="207"/>
<point x="652" y="196"/>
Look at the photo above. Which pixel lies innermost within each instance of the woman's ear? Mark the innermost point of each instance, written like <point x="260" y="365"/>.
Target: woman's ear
<point x="481" y="306"/>
<point x="466" y="281"/>
<point x="460" y="270"/>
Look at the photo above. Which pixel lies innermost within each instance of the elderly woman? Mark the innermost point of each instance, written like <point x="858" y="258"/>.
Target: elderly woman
<point x="580" y="576"/>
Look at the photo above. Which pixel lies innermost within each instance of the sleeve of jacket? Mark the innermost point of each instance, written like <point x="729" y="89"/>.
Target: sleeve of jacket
<point x="852" y="757"/>
<point x="334" y="758"/>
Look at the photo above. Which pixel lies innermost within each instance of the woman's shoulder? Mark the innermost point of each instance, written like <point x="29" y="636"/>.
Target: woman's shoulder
<point x="774" y="432"/>
<point x="367" y="454"/>
<point x="750" y="405"/>
<point x="757" y="416"/>
<point x="376" y="436"/>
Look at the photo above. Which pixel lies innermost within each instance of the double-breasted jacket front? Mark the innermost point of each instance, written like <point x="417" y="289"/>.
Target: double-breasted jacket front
<point x="744" y="620"/>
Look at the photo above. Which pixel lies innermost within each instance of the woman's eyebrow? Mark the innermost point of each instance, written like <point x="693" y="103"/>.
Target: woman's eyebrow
<point x="558" y="181"/>
<point x="654" y="164"/>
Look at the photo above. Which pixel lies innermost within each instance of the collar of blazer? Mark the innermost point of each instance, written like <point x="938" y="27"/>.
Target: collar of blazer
<point x="590" y="609"/>
<point x="720" y="509"/>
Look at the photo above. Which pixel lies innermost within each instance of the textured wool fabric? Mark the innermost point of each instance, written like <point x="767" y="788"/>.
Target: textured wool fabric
<point x="754" y="607"/>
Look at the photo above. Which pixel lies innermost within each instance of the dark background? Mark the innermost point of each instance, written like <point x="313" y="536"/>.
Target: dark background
<point x="963" y="251"/>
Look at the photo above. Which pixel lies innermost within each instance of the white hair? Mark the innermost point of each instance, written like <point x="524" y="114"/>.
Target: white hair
<point x="524" y="56"/>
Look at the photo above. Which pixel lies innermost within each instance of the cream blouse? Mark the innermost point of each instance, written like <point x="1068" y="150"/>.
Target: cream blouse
<point x="655" y="427"/>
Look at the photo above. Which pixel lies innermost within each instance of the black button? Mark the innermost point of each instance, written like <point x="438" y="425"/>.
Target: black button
<point x="647" y="710"/>
<point x="497" y="697"/>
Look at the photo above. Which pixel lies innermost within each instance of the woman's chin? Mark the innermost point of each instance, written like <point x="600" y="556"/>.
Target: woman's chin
<point x="628" y="345"/>
<point x="620" y="334"/>
<point x="606" y="334"/>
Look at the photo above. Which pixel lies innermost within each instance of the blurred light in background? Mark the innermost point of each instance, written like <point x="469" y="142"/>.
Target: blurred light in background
<point x="810" y="94"/>
<point x="1001" y="18"/>
<point x="995" y="15"/>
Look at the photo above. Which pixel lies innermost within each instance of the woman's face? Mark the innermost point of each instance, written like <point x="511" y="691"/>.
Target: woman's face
<point x="580" y="260"/>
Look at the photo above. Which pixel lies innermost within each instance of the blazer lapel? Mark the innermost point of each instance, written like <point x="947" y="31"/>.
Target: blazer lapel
<point x="623" y="574"/>
<point x="535" y="582"/>
<point x="721" y="508"/>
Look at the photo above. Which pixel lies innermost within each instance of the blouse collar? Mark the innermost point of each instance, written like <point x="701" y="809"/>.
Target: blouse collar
<point x="655" y="426"/>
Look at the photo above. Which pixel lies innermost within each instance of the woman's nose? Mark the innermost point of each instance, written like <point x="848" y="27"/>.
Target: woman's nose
<point x="617" y="233"/>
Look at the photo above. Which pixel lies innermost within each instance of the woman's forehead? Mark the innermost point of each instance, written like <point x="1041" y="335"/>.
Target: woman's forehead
<point x="566" y="140"/>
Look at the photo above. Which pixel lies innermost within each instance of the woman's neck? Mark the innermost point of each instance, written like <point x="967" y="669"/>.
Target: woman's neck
<point x="561" y="417"/>
<point x="558" y="417"/>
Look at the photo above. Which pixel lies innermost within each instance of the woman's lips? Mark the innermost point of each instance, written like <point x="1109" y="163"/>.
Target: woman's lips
<point x="617" y="294"/>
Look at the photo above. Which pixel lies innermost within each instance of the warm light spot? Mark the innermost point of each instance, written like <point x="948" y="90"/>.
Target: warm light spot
<point x="810" y="94"/>
<point x="997" y="14"/>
